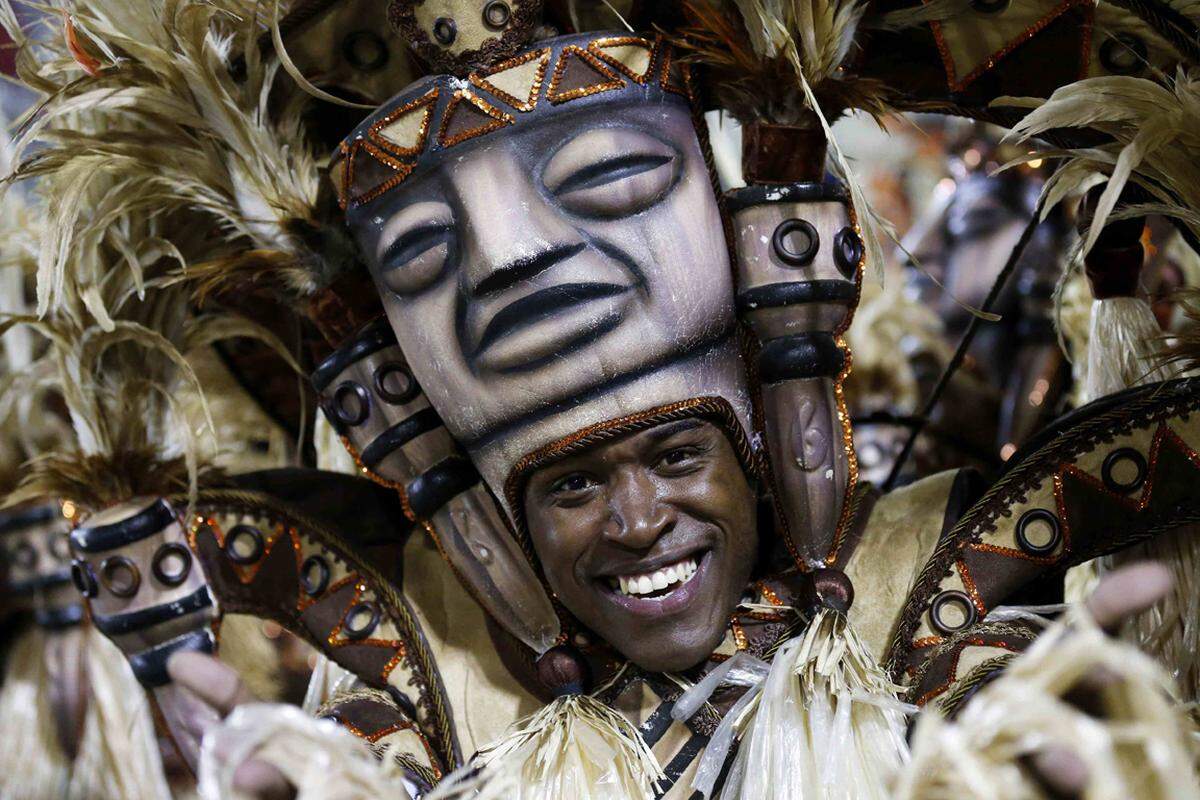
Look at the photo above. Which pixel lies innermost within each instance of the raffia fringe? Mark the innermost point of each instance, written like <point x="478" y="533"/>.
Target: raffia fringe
<point x="575" y="747"/>
<point x="1139" y="748"/>
<point x="826" y="726"/>
<point x="119" y="757"/>
<point x="1122" y="346"/>
<point x="33" y="765"/>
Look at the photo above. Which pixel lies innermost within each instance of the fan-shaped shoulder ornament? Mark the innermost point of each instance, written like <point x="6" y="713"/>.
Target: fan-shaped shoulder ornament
<point x="460" y="36"/>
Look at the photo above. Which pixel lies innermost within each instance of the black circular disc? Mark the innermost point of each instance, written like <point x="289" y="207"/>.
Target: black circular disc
<point x="796" y="242"/>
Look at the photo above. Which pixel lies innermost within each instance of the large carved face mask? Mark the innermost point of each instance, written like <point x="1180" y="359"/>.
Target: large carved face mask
<point x="550" y="254"/>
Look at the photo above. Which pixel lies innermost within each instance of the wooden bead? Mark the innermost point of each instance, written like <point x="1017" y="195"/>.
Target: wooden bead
<point x="834" y="589"/>
<point x="563" y="670"/>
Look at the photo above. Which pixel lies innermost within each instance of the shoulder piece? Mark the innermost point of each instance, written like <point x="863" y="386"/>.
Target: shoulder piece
<point x="380" y="719"/>
<point x="157" y="582"/>
<point x="264" y="560"/>
<point x="1112" y="474"/>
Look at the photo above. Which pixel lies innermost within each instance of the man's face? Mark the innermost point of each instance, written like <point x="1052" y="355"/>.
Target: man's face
<point x="547" y="263"/>
<point x="648" y="540"/>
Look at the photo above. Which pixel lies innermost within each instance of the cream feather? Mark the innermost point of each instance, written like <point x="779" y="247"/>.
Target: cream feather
<point x="122" y="372"/>
<point x="1155" y="132"/>
<point x="164" y="117"/>
<point x="144" y="147"/>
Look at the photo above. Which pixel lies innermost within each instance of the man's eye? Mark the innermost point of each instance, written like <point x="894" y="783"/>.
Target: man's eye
<point x="680" y="456"/>
<point x="573" y="484"/>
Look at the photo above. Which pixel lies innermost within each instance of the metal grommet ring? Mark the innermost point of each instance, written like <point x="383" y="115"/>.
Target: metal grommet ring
<point x="351" y="415"/>
<point x="365" y="51"/>
<point x="171" y="564"/>
<point x="848" y="252"/>
<point x="1124" y="455"/>
<point x="952" y="597"/>
<point x="314" y="576"/>
<point x="83" y="578"/>
<point x="796" y="253"/>
<point x="24" y="555"/>
<point x="1038" y="515"/>
<point x="445" y="31"/>
<point x="496" y="14"/>
<point x="1124" y="54"/>
<point x="120" y="576"/>
<point x="360" y="631"/>
<point x="388" y="375"/>
<point x="59" y="546"/>
<point x="245" y="545"/>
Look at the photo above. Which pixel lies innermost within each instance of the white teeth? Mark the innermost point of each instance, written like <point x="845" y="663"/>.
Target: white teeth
<point x="678" y="573"/>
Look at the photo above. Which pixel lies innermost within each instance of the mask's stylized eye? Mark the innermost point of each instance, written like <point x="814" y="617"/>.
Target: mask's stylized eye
<point x="611" y="172"/>
<point x="415" y="246"/>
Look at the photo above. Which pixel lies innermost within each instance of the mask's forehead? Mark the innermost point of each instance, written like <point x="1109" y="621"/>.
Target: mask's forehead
<point x="427" y="122"/>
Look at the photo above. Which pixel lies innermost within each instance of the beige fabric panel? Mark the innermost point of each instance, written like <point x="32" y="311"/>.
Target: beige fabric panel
<point x="485" y="699"/>
<point x="900" y="537"/>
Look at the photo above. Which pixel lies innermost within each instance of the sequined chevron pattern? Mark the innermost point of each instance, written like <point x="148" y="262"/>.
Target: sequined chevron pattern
<point x="417" y="128"/>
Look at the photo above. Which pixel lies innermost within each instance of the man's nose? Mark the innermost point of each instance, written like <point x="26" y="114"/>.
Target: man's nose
<point x="511" y="232"/>
<point x="639" y="515"/>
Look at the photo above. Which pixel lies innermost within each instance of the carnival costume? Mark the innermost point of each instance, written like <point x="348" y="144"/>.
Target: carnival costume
<point x="554" y="306"/>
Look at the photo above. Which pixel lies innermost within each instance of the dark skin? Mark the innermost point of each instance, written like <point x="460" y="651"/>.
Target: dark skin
<point x="673" y="494"/>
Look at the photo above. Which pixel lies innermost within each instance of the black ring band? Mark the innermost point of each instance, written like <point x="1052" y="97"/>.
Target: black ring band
<point x="150" y="666"/>
<point x="439" y="485"/>
<point x="399" y="435"/>
<point x="805" y="355"/>
<point x="142" y="525"/>
<point x="781" y="295"/>
<point x="373" y="338"/>
<point x="133" y="621"/>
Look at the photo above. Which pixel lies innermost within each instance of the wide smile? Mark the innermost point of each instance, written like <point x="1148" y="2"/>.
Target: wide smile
<point x="550" y="323"/>
<point x="662" y="591"/>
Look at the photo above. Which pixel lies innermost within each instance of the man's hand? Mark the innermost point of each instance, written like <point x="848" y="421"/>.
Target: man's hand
<point x="1119" y="596"/>
<point x="219" y="686"/>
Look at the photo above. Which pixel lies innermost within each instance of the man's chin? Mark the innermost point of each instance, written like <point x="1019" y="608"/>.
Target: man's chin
<point x="672" y="656"/>
<point x="667" y="647"/>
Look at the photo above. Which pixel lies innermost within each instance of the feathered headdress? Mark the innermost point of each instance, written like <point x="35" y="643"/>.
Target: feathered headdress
<point x="757" y="50"/>
<point x="207" y="130"/>
<point x="122" y="375"/>
<point x="1153" y="135"/>
<point x="136" y="189"/>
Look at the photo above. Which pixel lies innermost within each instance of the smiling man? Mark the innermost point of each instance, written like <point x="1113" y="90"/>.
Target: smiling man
<point x="649" y="540"/>
<point x="555" y="266"/>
